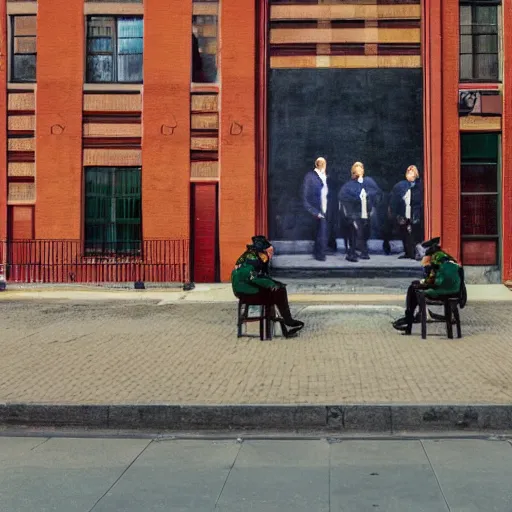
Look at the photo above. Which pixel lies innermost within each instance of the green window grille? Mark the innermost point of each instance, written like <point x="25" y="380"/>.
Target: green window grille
<point x="480" y="195"/>
<point x="113" y="210"/>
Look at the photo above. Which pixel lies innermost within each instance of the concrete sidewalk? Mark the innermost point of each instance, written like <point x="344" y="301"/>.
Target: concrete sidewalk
<point x="222" y="293"/>
<point x="171" y="359"/>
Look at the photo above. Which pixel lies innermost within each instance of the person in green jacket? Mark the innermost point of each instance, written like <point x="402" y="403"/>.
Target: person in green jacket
<point x="252" y="283"/>
<point x="443" y="279"/>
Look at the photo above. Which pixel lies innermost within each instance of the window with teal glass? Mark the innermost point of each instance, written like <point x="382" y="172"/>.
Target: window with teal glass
<point x="113" y="210"/>
<point x="114" y="49"/>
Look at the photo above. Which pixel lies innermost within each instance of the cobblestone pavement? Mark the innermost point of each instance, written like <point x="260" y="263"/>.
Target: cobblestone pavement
<point x="132" y="352"/>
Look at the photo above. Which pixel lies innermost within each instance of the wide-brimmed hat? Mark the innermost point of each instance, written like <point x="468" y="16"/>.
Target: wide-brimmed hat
<point x="260" y="243"/>
<point x="432" y="245"/>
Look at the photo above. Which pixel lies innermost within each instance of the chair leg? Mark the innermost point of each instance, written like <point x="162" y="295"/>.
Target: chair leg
<point x="269" y="310"/>
<point x="262" y="322"/>
<point x="456" y="315"/>
<point x="240" y="320"/>
<point x="423" y="314"/>
<point x="448" y="314"/>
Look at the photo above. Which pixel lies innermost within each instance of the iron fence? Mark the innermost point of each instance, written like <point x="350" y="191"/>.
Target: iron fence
<point x="66" y="261"/>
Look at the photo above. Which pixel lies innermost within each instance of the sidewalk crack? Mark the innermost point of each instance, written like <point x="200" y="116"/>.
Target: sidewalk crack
<point x="121" y="475"/>
<point x="435" y="475"/>
<point x="227" y="477"/>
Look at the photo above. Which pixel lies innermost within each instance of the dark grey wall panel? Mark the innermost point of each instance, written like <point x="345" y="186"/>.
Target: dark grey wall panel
<point x="371" y="115"/>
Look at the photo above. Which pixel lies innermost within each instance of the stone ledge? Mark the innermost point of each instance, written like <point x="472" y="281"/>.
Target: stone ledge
<point x="384" y="418"/>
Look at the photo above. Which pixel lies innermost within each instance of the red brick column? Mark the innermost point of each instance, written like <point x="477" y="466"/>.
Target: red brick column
<point x="432" y="115"/>
<point x="166" y="119"/>
<point x="60" y="75"/>
<point x="450" y="224"/>
<point x="237" y="130"/>
<point x="3" y="120"/>
<point x="506" y="193"/>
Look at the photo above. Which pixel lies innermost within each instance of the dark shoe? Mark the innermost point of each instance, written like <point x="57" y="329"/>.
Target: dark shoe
<point x="400" y="324"/>
<point x="403" y="257"/>
<point x="294" y="323"/>
<point x="364" y="256"/>
<point x="291" y="333"/>
<point x="351" y="258"/>
<point x="320" y="258"/>
<point x="386" y="247"/>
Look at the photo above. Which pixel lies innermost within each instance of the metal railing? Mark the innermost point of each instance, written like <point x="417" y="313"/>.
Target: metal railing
<point x="67" y="261"/>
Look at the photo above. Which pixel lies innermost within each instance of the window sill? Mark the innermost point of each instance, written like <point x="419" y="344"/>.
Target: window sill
<point x="112" y="88"/>
<point x="484" y="85"/>
<point x="21" y="86"/>
<point x="200" y="87"/>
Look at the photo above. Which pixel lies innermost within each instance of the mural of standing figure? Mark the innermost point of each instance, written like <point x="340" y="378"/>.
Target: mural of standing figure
<point x="314" y="199"/>
<point x="406" y="210"/>
<point x="357" y="199"/>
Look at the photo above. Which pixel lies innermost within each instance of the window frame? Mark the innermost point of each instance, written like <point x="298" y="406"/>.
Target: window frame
<point x="12" y="45"/>
<point x="499" y="54"/>
<point x="115" y="49"/>
<point x="498" y="195"/>
<point x="105" y="248"/>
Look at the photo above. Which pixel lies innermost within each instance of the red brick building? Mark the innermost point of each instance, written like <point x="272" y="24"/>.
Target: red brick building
<point x="136" y="136"/>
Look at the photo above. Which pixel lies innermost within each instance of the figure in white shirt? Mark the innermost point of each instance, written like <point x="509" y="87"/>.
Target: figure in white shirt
<point x="406" y="210"/>
<point x="357" y="199"/>
<point x="314" y="198"/>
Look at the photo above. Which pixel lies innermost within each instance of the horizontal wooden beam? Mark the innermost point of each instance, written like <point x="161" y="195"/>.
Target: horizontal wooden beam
<point x="480" y="123"/>
<point x="344" y="12"/>
<point x="346" y="61"/>
<point x="349" y="35"/>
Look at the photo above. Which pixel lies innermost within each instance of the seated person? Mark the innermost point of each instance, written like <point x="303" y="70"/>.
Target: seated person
<point x="252" y="283"/>
<point x="443" y="279"/>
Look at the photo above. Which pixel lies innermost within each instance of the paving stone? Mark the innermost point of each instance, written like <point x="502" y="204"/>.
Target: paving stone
<point x="128" y="352"/>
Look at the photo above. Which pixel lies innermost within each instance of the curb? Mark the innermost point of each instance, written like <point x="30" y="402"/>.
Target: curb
<point x="332" y="418"/>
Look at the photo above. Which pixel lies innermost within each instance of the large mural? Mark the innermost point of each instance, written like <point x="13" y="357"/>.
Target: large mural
<point x="345" y="136"/>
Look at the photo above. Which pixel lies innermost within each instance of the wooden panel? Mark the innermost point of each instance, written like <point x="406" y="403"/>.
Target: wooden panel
<point x="25" y="169"/>
<point x="204" y="170"/>
<point x="25" y="45"/>
<point x="205" y="8"/>
<point x="205" y="102"/>
<point x="112" y="102"/>
<point x="21" y="222"/>
<point x="21" y="7"/>
<point x="347" y="61"/>
<point x="112" y="157"/>
<point x="480" y="124"/>
<point x="25" y="25"/>
<point x="479" y="252"/>
<point x="21" y="192"/>
<point x="105" y="8"/>
<point x="205" y="231"/>
<point x="22" y="144"/>
<point x="349" y="35"/>
<point x="21" y="123"/>
<point x="22" y="101"/>
<point x="204" y="144"/>
<point x="345" y="11"/>
<point x="204" y="121"/>
<point x="112" y="130"/>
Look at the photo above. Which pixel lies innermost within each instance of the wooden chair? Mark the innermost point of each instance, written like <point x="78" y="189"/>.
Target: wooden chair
<point x="266" y="318"/>
<point x="451" y="312"/>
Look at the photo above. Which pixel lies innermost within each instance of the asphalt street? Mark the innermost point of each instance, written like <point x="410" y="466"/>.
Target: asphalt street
<point x="88" y="474"/>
